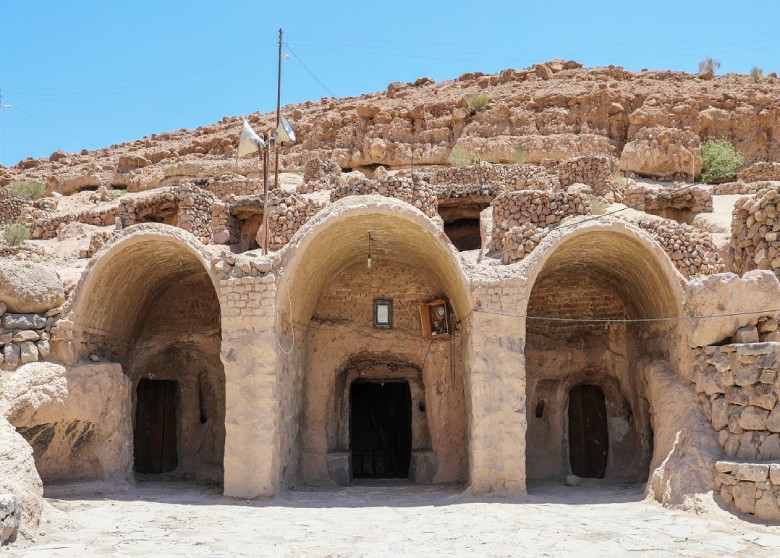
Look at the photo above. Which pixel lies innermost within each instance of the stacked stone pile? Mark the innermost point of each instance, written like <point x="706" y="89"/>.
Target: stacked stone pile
<point x="522" y="218"/>
<point x="596" y="171"/>
<point x="512" y="177"/>
<point x="696" y="199"/>
<point x="691" y="250"/>
<point x="320" y="174"/>
<point x="11" y="208"/>
<point x="764" y="170"/>
<point x="755" y="232"/>
<point x="286" y="215"/>
<point x="23" y="338"/>
<point x="414" y="192"/>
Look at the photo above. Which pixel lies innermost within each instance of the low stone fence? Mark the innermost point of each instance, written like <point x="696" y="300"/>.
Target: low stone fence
<point x="750" y="487"/>
<point x="512" y="177"/>
<point x="45" y="226"/>
<point x="690" y="249"/>
<point x="234" y="185"/>
<point x="319" y="174"/>
<point x="737" y="188"/>
<point x="764" y="170"/>
<point x="522" y="218"/>
<point x="24" y="338"/>
<point x="696" y="199"/>
<point x="414" y="192"/>
<point x="755" y="232"/>
<point x="596" y="171"/>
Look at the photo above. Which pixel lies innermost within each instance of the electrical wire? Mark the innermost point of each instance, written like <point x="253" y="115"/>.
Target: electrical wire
<point x="311" y="73"/>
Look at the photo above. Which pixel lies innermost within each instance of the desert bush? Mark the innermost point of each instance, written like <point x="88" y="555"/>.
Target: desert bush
<point x="15" y="234"/>
<point x="518" y="156"/>
<point x="477" y="103"/>
<point x="756" y="74"/>
<point x="708" y="66"/>
<point x="598" y="206"/>
<point x="460" y="156"/>
<point x="719" y="160"/>
<point x="27" y="189"/>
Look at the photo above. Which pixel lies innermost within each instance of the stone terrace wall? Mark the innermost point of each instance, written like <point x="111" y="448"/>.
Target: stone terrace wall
<point x="755" y="232"/>
<point x="765" y="170"/>
<point x="44" y="226"/>
<point x="696" y="199"/>
<point x="690" y="249"/>
<point x="512" y="177"/>
<point x="414" y="192"/>
<point x="24" y="338"/>
<point x="739" y="386"/>
<point x="738" y="188"/>
<point x="594" y="170"/>
<point x="522" y="218"/>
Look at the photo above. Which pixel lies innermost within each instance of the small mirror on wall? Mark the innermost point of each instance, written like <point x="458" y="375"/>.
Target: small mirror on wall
<point x="383" y="313"/>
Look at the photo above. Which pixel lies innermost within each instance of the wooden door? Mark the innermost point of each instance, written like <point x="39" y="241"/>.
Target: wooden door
<point x="588" y="435"/>
<point x="155" y="427"/>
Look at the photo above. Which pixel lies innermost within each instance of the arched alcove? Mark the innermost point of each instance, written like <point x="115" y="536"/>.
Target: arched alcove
<point x="148" y="302"/>
<point x="326" y="304"/>
<point x="595" y="316"/>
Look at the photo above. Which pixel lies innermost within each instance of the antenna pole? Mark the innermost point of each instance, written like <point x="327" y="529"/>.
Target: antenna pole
<point x="263" y="153"/>
<point x="278" y="109"/>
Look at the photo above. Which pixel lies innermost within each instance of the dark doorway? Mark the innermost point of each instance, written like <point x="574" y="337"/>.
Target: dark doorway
<point x="380" y="429"/>
<point x="588" y="436"/>
<point x="464" y="234"/>
<point x="155" y="427"/>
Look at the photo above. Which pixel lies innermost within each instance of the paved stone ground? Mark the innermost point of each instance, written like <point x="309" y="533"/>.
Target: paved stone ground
<point x="184" y="519"/>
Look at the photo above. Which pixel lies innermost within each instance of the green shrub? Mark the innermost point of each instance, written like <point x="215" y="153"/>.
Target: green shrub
<point x="27" y="189"/>
<point x="16" y="234"/>
<point x="708" y="66"/>
<point x="518" y="156"/>
<point x="460" y="156"/>
<point x="756" y="74"/>
<point x="719" y="160"/>
<point x="477" y="103"/>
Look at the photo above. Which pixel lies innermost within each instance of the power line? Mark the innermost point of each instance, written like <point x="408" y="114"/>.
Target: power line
<point x="51" y="126"/>
<point x="305" y="67"/>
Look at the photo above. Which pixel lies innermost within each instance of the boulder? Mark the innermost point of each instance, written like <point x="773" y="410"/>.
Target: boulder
<point x="10" y="518"/>
<point x="27" y="287"/>
<point x="18" y="476"/>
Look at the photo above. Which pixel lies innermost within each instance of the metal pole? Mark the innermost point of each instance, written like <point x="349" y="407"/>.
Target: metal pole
<point x="263" y="153"/>
<point x="278" y="109"/>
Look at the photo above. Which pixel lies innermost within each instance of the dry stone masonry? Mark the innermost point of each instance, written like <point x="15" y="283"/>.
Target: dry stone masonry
<point x="596" y="171"/>
<point x="690" y="249"/>
<point x="413" y="192"/>
<point x="764" y="170"/>
<point x="755" y="232"/>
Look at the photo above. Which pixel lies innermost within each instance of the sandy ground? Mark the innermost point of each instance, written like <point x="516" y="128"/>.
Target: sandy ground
<point x="185" y="519"/>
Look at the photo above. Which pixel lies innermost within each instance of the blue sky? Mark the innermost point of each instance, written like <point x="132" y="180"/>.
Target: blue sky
<point x="89" y="74"/>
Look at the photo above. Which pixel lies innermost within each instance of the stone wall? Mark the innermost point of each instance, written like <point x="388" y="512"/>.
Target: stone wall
<point x="235" y="185"/>
<point x="186" y="206"/>
<point x="10" y="207"/>
<point x="320" y="174"/>
<point x="738" y="188"/>
<point x="696" y="199"/>
<point x="413" y="192"/>
<point x="512" y="177"/>
<point x="690" y="249"/>
<point x="522" y="218"/>
<point x="764" y="170"/>
<point x="739" y="385"/>
<point x="596" y="171"/>
<point x="24" y="338"/>
<point x="45" y="226"/>
<point x="755" y="232"/>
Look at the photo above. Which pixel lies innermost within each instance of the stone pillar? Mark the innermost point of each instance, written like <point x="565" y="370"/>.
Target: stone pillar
<point x="251" y="403"/>
<point x="497" y="404"/>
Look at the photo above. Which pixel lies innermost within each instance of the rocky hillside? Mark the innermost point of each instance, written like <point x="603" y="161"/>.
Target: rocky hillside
<point x="653" y="122"/>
